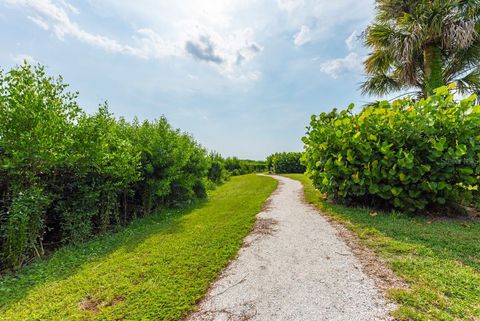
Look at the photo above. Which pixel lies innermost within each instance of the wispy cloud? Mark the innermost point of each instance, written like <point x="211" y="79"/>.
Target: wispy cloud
<point x="302" y="37"/>
<point x="54" y="17"/>
<point x="339" y="66"/>
<point x="290" y="5"/>
<point x="323" y="17"/>
<point x="352" y="41"/>
<point x="227" y="53"/>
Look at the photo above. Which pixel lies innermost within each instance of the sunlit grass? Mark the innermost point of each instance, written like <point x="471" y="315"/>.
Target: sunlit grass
<point x="155" y="269"/>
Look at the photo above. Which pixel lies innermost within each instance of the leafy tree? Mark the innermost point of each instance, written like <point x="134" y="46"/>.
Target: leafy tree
<point x="423" y="45"/>
<point x="217" y="173"/>
<point x="66" y="175"/>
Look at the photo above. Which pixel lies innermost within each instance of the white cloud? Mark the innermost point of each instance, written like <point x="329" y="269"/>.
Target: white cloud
<point x="194" y="35"/>
<point x="324" y="16"/>
<point x="302" y="37"/>
<point x="290" y="5"/>
<point x="69" y="7"/>
<point x="50" y="16"/>
<point x="220" y="33"/>
<point x="352" y="40"/>
<point x="336" y="67"/>
<point x="39" y="22"/>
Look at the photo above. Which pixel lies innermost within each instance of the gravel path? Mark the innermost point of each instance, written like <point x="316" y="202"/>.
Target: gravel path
<point x="293" y="266"/>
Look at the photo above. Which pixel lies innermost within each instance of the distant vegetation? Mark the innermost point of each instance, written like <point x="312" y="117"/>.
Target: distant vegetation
<point x="281" y="163"/>
<point x="413" y="155"/>
<point x="237" y="166"/>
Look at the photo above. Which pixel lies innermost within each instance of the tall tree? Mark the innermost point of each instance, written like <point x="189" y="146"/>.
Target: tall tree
<point x="422" y="45"/>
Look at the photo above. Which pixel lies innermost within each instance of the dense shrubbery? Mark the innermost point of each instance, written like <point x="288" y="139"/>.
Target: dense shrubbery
<point x="237" y="166"/>
<point x="217" y="173"/>
<point x="411" y="155"/>
<point x="66" y="175"/>
<point x="282" y="163"/>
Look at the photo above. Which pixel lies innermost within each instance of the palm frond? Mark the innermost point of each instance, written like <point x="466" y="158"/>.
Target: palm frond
<point x="380" y="85"/>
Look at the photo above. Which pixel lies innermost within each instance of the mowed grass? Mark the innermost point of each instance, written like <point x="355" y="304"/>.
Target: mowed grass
<point x="438" y="258"/>
<point x="155" y="269"/>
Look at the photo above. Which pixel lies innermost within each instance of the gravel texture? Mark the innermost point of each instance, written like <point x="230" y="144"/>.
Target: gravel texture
<point x="293" y="266"/>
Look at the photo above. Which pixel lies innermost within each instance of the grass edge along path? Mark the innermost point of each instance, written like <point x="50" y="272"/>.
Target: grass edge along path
<point x="439" y="259"/>
<point x="155" y="269"/>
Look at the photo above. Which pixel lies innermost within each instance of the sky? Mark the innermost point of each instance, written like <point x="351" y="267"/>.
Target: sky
<point x="242" y="76"/>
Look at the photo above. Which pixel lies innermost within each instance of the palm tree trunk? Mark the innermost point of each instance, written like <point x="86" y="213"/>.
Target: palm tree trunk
<point x="433" y="71"/>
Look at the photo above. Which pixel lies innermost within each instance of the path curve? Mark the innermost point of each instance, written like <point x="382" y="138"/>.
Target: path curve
<point x="293" y="266"/>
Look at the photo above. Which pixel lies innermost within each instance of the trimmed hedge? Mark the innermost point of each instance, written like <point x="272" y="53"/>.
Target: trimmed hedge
<point x="412" y="155"/>
<point x="236" y="166"/>
<point x="283" y="163"/>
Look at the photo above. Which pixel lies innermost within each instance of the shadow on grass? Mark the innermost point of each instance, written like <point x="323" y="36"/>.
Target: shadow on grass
<point x="68" y="260"/>
<point x="452" y="239"/>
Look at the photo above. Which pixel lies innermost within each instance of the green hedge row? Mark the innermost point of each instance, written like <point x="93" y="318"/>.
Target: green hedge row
<point x="412" y="155"/>
<point x="282" y="163"/>
<point x="66" y="175"/>
<point x="237" y="166"/>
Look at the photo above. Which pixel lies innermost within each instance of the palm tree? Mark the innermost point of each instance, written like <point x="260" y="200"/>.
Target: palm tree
<point x="422" y="45"/>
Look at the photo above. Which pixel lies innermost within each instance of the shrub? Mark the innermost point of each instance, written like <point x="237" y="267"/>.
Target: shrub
<point x="410" y="154"/>
<point x="282" y="163"/>
<point x="236" y="166"/>
<point x="66" y="175"/>
<point x="217" y="173"/>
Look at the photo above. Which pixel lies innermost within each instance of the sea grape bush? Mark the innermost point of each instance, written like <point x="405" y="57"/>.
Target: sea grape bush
<point x="413" y="155"/>
<point x="66" y="175"/>
<point x="282" y="163"/>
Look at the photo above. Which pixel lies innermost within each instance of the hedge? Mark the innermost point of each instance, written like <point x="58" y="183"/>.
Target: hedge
<point x="412" y="155"/>
<point x="66" y="175"/>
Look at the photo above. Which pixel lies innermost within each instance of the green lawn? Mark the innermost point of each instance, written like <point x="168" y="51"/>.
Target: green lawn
<point x="155" y="269"/>
<point x="439" y="259"/>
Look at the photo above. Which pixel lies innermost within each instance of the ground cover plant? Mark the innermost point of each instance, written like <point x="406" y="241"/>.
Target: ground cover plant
<point x="413" y="155"/>
<point x="155" y="269"/>
<point x="66" y="175"/>
<point x="438" y="258"/>
<point x="281" y="163"/>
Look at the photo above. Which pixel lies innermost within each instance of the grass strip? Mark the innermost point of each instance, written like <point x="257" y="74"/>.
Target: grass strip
<point x="155" y="269"/>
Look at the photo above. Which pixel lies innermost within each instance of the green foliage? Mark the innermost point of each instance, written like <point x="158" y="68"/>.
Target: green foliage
<point x="237" y="166"/>
<point x="66" y="175"/>
<point x="411" y="155"/>
<point x="217" y="173"/>
<point x="421" y="45"/>
<point x="282" y="163"/>
<point x="157" y="268"/>
<point x="438" y="259"/>
<point x="23" y="230"/>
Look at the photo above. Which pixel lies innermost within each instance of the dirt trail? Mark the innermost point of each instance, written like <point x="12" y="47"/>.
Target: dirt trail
<point x="293" y="266"/>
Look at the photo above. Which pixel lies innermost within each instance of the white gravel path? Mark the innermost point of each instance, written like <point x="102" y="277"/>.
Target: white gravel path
<point x="293" y="266"/>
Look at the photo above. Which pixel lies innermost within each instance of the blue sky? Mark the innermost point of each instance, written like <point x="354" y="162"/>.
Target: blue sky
<point x="242" y="76"/>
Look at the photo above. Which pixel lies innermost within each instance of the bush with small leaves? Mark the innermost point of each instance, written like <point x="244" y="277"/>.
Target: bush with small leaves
<point x="66" y="175"/>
